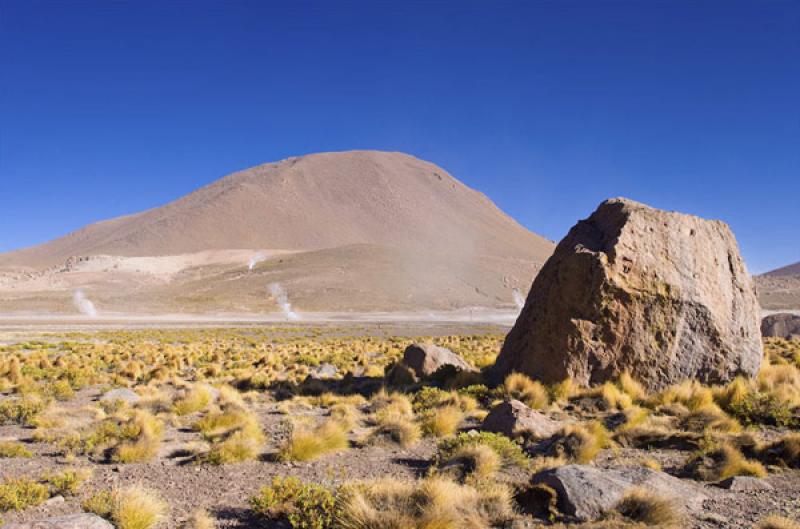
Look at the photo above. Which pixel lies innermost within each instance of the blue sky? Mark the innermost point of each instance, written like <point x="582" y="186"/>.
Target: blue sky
<point x="548" y="107"/>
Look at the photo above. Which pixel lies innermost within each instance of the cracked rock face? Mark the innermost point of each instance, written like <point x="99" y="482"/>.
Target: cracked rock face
<point x="662" y="295"/>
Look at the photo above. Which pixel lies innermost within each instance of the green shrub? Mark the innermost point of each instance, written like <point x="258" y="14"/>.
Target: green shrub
<point x="12" y="449"/>
<point x="303" y="505"/>
<point x="509" y="451"/>
<point x="21" y="411"/>
<point x="762" y="408"/>
<point x="20" y="493"/>
<point x="67" y="483"/>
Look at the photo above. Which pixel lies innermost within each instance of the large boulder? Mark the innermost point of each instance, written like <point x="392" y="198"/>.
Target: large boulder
<point x="662" y="295"/>
<point x="71" y="521"/>
<point x="586" y="492"/>
<point x="513" y="418"/>
<point x="426" y="358"/>
<point x="781" y="325"/>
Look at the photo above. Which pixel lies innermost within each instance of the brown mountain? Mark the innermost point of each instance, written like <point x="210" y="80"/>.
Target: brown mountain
<point x="780" y="289"/>
<point x="355" y="226"/>
<point x="790" y="270"/>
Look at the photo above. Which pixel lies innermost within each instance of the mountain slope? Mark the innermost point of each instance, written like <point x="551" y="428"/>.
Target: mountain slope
<point x="790" y="270"/>
<point x="308" y="203"/>
<point x="351" y="231"/>
<point x="780" y="289"/>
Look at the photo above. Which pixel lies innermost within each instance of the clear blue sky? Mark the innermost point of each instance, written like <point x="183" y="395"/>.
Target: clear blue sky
<point x="111" y="107"/>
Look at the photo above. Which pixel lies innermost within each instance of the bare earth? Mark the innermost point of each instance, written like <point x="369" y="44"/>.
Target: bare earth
<point x="351" y="231"/>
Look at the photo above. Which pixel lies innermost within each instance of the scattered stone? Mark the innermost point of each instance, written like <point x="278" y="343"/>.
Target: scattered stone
<point x="426" y="358"/>
<point x="781" y="325"/>
<point x="55" y="500"/>
<point x="513" y="418"/>
<point x="714" y="518"/>
<point x="586" y="492"/>
<point x="326" y="370"/>
<point x="72" y="521"/>
<point x="744" y="484"/>
<point x="661" y="295"/>
<point x="124" y="394"/>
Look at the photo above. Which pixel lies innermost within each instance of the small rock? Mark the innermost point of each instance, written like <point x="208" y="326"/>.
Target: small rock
<point x="716" y="519"/>
<point x="55" y="500"/>
<point x="513" y="418"/>
<point x="72" y="521"/>
<point x="425" y="359"/>
<point x="744" y="483"/>
<point x="124" y="394"/>
<point x="586" y="492"/>
<point x="326" y="370"/>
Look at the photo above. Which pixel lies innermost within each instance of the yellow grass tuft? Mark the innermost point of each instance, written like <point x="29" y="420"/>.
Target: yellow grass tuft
<point x="645" y="507"/>
<point x="307" y="444"/>
<point x="777" y="522"/>
<point x="532" y="392"/>
<point x="442" y="421"/>
<point x="137" y="508"/>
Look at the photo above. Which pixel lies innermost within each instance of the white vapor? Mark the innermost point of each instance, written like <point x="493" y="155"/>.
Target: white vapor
<point x="83" y="304"/>
<point x="519" y="300"/>
<point x="257" y="258"/>
<point x="277" y="292"/>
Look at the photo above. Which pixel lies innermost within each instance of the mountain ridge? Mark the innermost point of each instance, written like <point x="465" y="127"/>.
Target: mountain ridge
<point x="346" y="231"/>
<point x="295" y="189"/>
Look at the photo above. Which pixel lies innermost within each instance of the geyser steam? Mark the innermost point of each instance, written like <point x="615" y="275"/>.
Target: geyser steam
<point x="257" y="258"/>
<point x="83" y="304"/>
<point x="277" y="292"/>
<point x="519" y="299"/>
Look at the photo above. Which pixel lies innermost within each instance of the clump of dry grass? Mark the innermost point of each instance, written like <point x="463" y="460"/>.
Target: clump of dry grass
<point x="396" y="428"/>
<point x="137" y="508"/>
<point x="240" y="443"/>
<point x="20" y="493"/>
<point x="68" y="482"/>
<point x="146" y="432"/>
<point x="777" y="522"/>
<point x="709" y="418"/>
<point x="532" y="392"/>
<point x="631" y="387"/>
<point x="472" y="464"/>
<point x="722" y="462"/>
<point x="434" y="502"/>
<point x="200" y="519"/>
<point x="14" y="449"/>
<point x="564" y="390"/>
<point x="578" y="443"/>
<point x="196" y="399"/>
<point x="784" y="451"/>
<point x="690" y="394"/>
<point x="645" y="507"/>
<point x="442" y="421"/>
<point x="307" y="444"/>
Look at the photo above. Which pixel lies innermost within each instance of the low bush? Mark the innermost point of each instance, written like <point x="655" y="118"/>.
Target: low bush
<point x="20" y="493"/>
<point x="14" y="449"/>
<point x="307" y="444"/>
<point x="302" y="505"/>
<point x="645" y="507"/>
<point x="509" y="451"/>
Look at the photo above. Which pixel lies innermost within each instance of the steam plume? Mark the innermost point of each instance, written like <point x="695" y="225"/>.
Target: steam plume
<point x="277" y="292"/>
<point x="257" y="258"/>
<point x="519" y="300"/>
<point x="83" y="304"/>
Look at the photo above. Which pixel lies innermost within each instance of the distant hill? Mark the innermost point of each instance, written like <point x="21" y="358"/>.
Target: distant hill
<point x="790" y="270"/>
<point x="431" y="240"/>
<point x="780" y="289"/>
